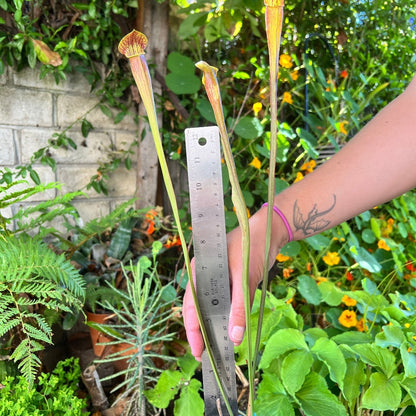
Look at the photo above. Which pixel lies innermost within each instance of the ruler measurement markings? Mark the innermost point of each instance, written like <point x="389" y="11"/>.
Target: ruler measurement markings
<point x="211" y="263"/>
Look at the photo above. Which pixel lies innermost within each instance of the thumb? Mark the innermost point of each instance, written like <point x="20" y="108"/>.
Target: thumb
<point x="237" y="324"/>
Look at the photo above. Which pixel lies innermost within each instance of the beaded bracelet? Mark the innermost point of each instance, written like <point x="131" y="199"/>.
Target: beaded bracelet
<point x="285" y="221"/>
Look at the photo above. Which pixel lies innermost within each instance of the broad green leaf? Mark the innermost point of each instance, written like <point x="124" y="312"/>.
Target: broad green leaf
<point x="188" y="365"/>
<point x="271" y="318"/>
<point x="368" y="236"/>
<point x="165" y="390"/>
<point x="295" y="367"/>
<point x="328" y="352"/>
<point x="205" y="109"/>
<point x="189" y="401"/>
<point x="376" y="357"/>
<point x="191" y="25"/>
<point x="180" y="64"/>
<point x="409" y="384"/>
<point x="316" y="400"/>
<point x="281" y="342"/>
<point x="183" y="83"/>
<point x="331" y="294"/>
<point x="318" y="242"/>
<point x="352" y="338"/>
<point x="365" y="259"/>
<point x="273" y="405"/>
<point x="291" y="249"/>
<point x="383" y="394"/>
<point x="408" y="359"/>
<point x="309" y="289"/>
<point x="271" y="398"/>
<point x="313" y="334"/>
<point x="392" y="336"/>
<point x="354" y="378"/>
<point x="249" y="128"/>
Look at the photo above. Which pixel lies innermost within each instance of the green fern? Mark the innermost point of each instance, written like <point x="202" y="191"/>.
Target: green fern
<point x="18" y="191"/>
<point x="33" y="275"/>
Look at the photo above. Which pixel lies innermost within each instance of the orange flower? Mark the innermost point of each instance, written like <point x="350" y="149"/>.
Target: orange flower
<point x="321" y="279"/>
<point x="287" y="98"/>
<point x="308" y="166"/>
<point x="343" y="74"/>
<point x="346" y="300"/>
<point x="285" y="61"/>
<point x="331" y="258"/>
<point x="256" y="163"/>
<point x="349" y="276"/>
<point x="383" y="245"/>
<point x="342" y="125"/>
<point x="173" y="242"/>
<point x="361" y="325"/>
<point x="299" y="177"/>
<point x="151" y="228"/>
<point x="348" y="319"/>
<point x="281" y="258"/>
<point x="287" y="272"/>
<point x="294" y="75"/>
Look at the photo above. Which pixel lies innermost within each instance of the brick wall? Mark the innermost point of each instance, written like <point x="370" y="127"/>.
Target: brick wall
<point x="31" y="110"/>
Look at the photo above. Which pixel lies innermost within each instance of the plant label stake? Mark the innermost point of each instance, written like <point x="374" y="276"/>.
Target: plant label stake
<point x="211" y="263"/>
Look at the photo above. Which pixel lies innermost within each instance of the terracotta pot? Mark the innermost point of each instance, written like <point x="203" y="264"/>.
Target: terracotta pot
<point x="96" y="335"/>
<point x="123" y="349"/>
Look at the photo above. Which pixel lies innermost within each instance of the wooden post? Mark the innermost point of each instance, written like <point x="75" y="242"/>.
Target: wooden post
<point x="156" y="27"/>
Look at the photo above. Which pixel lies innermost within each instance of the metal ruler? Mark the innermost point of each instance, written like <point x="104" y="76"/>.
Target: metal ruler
<point x="203" y="154"/>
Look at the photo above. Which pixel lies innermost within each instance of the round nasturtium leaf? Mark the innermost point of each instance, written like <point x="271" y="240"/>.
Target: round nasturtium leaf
<point x="183" y="83"/>
<point x="180" y="64"/>
<point x="249" y="128"/>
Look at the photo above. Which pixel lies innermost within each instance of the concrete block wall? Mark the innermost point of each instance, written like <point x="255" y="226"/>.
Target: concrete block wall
<point x="32" y="110"/>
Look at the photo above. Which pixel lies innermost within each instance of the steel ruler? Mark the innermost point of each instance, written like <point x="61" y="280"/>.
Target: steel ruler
<point x="203" y="153"/>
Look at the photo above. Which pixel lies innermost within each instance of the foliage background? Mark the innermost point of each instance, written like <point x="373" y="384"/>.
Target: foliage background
<point x="342" y="61"/>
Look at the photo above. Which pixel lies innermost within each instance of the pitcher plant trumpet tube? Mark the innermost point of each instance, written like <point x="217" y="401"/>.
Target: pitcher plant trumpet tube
<point x="212" y="89"/>
<point x="133" y="46"/>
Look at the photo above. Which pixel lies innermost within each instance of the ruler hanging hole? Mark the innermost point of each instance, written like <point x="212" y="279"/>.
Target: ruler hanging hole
<point x="202" y="141"/>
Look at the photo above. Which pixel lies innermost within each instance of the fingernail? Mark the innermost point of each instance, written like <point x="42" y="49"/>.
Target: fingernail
<point x="237" y="334"/>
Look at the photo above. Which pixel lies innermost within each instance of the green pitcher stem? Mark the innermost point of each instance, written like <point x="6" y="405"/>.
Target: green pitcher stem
<point x="274" y="21"/>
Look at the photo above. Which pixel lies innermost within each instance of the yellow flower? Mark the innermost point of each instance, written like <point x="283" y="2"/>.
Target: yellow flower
<point x="361" y="325"/>
<point x="331" y="258"/>
<point x="289" y="301"/>
<point x="299" y="177"/>
<point x="287" y="98"/>
<point x="285" y="61"/>
<point x="407" y="325"/>
<point x="348" y="319"/>
<point x="308" y="166"/>
<point x="346" y="300"/>
<point x="321" y="279"/>
<point x="383" y="245"/>
<point x="281" y="258"/>
<point x="257" y="108"/>
<point x="294" y="75"/>
<point x="342" y="127"/>
<point x="255" y="163"/>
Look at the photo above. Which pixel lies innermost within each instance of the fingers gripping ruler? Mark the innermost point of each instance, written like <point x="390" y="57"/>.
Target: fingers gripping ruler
<point x="211" y="263"/>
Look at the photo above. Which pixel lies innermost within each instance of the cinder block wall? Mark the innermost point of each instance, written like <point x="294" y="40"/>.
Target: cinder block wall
<point x="32" y="110"/>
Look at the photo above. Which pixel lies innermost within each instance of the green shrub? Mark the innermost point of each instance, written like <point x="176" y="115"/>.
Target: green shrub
<point x="54" y="395"/>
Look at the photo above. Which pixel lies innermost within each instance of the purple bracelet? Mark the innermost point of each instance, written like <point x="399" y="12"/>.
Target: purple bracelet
<point x="285" y="222"/>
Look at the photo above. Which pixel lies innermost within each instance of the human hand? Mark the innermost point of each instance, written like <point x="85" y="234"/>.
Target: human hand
<point x="237" y="322"/>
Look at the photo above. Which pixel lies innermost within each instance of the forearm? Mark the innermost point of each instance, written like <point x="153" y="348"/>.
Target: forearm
<point x="377" y="165"/>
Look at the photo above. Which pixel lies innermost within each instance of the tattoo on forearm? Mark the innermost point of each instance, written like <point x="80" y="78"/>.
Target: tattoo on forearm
<point x="314" y="223"/>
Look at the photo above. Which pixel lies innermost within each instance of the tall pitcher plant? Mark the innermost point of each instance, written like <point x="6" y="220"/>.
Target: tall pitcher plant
<point x="133" y="46"/>
<point x="274" y="22"/>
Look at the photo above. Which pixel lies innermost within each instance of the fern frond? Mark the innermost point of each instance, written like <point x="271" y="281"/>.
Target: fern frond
<point x="28" y="266"/>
